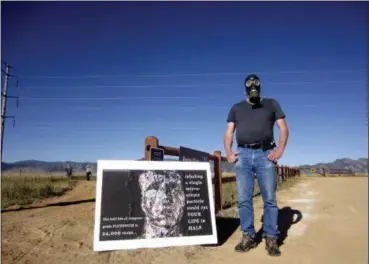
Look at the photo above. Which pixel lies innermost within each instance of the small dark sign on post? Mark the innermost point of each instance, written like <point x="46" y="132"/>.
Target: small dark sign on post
<point x="156" y="154"/>
<point x="187" y="154"/>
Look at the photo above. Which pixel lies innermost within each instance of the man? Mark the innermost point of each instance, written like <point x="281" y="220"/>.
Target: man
<point x="69" y="171"/>
<point x="254" y="119"/>
<point x="88" y="172"/>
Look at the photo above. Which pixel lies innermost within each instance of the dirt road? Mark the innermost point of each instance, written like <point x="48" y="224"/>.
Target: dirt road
<point x="331" y="227"/>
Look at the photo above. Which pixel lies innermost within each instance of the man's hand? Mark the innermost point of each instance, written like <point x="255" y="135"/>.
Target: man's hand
<point x="228" y="138"/>
<point x="232" y="157"/>
<point x="275" y="155"/>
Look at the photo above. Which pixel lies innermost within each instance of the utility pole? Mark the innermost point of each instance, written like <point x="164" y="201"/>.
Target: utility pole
<point x="4" y="97"/>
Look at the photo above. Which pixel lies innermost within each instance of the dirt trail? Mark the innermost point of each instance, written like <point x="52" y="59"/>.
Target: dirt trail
<point x="333" y="229"/>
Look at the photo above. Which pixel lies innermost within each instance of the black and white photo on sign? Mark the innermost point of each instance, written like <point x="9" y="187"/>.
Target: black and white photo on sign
<point x="153" y="204"/>
<point x="163" y="203"/>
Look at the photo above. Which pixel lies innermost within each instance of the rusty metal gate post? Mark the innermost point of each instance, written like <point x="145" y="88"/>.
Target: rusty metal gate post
<point x="218" y="180"/>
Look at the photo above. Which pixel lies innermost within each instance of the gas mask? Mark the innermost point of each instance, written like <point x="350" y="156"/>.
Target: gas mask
<point x="252" y="85"/>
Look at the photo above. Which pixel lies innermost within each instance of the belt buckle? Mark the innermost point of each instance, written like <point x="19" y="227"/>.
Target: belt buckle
<point x="254" y="145"/>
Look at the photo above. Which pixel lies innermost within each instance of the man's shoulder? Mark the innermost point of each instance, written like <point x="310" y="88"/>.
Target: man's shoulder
<point x="269" y="100"/>
<point x="270" y="103"/>
<point x="239" y="104"/>
<point x="266" y="101"/>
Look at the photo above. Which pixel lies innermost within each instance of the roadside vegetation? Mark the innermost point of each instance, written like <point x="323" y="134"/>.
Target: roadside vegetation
<point x="25" y="189"/>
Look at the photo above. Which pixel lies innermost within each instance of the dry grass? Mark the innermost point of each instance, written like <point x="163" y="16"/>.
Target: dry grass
<point x="232" y="212"/>
<point x="76" y="176"/>
<point x="361" y="174"/>
<point x="358" y="174"/>
<point x="22" y="190"/>
<point x="311" y="175"/>
<point x="229" y="190"/>
<point x="228" y="174"/>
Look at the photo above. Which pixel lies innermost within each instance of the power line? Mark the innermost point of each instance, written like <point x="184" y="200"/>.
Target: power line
<point x="111" y="98"/>
<point x="172" y="128"/>
<point x="115" y="128"/>
<point x="112" y="107"/>
<point x="188" y="74"/>
<point x="189" y="85"/>
<point x="138" y="125"/>
<point x="206" y="97"/>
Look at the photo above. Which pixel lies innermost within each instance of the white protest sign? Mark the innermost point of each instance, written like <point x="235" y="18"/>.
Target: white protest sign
<point x="149" y="204"/>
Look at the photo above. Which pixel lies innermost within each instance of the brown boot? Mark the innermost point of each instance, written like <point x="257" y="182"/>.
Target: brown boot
<point x="246" y="243"/>
<point x="272" y="247"/>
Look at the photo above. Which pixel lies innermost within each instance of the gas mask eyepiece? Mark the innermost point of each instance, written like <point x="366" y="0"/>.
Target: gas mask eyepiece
<point x="252" y="85"/>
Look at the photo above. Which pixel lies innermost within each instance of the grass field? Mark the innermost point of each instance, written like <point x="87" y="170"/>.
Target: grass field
<point x="25" y="189"/>
<point x="336" y="175"/>
<point x="229" y="190"/>
<point x="361" y="174"/>
<point x="228" y="174"/>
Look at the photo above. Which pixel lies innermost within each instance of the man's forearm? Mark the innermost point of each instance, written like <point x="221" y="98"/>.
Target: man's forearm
<point x="228" y="141"/>
<point x="283" y="138"/>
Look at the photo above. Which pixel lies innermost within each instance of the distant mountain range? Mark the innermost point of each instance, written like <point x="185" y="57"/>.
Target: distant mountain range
<point x="359" y="165"/>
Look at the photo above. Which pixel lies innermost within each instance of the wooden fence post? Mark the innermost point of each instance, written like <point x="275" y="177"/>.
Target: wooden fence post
<point x="290" y="172"/>
<point x="280" y="168"/>
<point x="279" y="174"/>
<point x="291" y="175"/>
<point x="218" y="180"/>
<point x="150" y="142"/>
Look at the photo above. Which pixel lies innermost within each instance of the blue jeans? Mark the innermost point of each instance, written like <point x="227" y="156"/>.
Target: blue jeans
<point x="252" y="161"/>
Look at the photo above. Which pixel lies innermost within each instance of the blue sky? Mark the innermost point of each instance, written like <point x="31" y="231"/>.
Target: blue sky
<point x="96" y="78"/>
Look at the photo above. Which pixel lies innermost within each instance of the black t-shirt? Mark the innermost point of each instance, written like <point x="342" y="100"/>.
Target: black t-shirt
<point x="255" y="124"/>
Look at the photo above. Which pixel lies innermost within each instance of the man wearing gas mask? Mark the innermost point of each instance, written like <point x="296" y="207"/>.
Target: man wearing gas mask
<point x="254" y="119"/>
